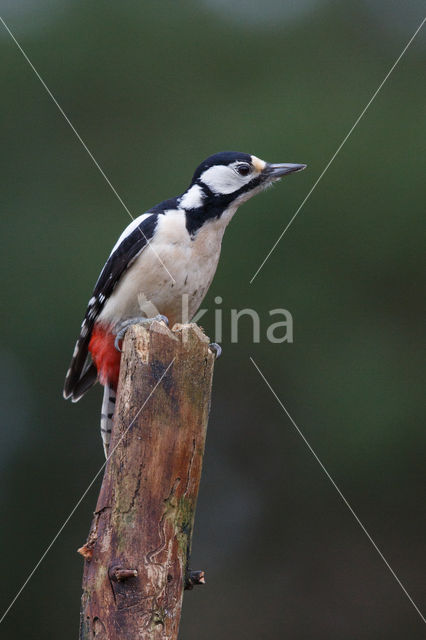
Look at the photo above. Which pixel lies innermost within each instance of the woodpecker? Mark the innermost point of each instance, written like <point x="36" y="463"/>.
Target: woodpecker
<point x="168" y="253"/>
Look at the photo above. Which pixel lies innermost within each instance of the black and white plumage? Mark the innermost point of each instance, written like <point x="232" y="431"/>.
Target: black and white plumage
<point x="167" y="253"/>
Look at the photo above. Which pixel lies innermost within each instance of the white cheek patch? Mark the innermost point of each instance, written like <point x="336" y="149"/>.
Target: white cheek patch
<point x="193" y="198"/>
<point x="223" y="179"/>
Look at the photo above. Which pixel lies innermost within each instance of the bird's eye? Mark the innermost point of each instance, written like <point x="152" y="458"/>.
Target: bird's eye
<point x="243" y="169"/>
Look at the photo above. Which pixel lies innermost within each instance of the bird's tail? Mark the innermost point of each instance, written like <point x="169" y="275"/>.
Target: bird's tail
<point x="107" y="415"/>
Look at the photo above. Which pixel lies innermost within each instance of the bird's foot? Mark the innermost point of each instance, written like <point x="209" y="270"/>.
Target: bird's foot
<point x="121" y="328"/>
<point x="216" y="348"/>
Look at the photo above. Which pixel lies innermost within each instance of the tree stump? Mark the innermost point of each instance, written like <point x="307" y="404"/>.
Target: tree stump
<point x="137" y="552"/>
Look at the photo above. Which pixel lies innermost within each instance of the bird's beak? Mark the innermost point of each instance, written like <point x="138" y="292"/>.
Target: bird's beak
<point x="276" y="171"/>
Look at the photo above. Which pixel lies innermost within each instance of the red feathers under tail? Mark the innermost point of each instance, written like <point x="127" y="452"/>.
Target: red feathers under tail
<point x="105" y="356"/>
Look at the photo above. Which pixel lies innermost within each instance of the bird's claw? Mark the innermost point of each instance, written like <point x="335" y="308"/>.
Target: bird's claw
<point x="121" y="329"/>
<point x="162" y="318"/>
<point x="119" y="336"/>
<point x="216" y="348"/>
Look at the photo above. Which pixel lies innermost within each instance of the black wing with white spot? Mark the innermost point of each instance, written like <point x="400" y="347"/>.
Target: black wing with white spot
<point x="82" y="373"/>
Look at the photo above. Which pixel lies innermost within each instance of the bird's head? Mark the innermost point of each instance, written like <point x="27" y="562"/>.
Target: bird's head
<point x="224" y="181"/>
<point x="232" y="177"/>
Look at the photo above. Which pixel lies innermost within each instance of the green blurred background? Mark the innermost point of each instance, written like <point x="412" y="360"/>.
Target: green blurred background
<point x="153" y="88"/>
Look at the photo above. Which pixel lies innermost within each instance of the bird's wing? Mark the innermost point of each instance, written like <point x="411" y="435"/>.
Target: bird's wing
<point x="130" y="244"/>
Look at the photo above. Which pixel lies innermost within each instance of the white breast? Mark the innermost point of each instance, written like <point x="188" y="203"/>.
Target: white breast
<point x="191" y="262"/>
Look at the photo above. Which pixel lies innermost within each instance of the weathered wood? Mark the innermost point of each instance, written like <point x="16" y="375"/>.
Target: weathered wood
<point x="137" y="552"/>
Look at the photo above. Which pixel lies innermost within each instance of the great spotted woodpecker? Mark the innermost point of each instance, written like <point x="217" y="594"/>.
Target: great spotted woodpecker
<point x="169" y="252"/>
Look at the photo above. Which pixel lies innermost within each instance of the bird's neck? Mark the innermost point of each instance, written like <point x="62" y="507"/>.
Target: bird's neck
<point x="202" y="206"/>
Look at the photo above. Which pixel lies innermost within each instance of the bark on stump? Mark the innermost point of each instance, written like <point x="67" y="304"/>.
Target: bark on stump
<point x="137" y="552"/>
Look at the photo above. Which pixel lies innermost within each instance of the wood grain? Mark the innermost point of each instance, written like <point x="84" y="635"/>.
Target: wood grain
<point x="137" y="552"/>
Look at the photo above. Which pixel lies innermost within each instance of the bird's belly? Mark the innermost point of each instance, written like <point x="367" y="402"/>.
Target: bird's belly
<point x="147" y="289"/>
